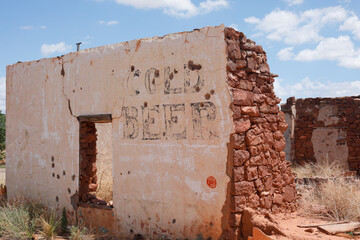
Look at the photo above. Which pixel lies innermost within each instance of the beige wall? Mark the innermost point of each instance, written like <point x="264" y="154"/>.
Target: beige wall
<point x="162" y="153"/>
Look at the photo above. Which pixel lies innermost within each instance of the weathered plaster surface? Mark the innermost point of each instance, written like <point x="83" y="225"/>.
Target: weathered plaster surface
<point x="326" y="147"/>
<point x="328" y="114"/>
<point x="168" y="135"/>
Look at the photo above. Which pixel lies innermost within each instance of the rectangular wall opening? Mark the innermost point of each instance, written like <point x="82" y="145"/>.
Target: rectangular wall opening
<point x="95" y="163"/>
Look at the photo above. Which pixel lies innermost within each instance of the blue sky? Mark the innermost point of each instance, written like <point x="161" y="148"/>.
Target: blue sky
<point x="313" y="45"/>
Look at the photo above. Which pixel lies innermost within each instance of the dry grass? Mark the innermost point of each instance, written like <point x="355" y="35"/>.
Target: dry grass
<point x="337" y="199"/>
<point x="322" y="169"/>
<point x="50" y="225"/>
<point x="19" y="220"/>
<point x="104" y="162"/>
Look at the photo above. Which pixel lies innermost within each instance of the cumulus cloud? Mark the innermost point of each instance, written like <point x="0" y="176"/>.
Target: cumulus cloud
<point x="294" y="2"/>
<point x="2" y="94"/>
<point x="178" y="8"/>
<point x="340" y="49"/>
<point x="352" y="24"/>
<point x="49" y="49"/>
<point x="297" y="27"/>
<point x="309" y="88"/>
<point x="286" y="53"/>
<point x="108" y="23"/>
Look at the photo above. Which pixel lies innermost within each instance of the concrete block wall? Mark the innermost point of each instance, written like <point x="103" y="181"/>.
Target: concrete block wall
<point x="324" y="129"/>
<point x="196" y="134"/>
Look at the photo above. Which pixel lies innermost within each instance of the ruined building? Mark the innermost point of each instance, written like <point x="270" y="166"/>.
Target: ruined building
<point x="196" y="132"/>
<point x="323" y="129"/>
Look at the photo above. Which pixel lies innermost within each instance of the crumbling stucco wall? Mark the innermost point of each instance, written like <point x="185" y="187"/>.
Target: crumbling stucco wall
<point x="196" y="133"/>
<point x="326" y="129"/>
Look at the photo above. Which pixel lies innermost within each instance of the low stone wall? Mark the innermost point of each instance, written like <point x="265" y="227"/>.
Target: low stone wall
<point x="261" y="176"/>
<point x="325" y="129"/>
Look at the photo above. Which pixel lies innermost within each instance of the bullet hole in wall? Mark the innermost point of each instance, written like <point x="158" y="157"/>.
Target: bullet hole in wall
<point x="193" y="66"/>
<point x="207" y="96"/>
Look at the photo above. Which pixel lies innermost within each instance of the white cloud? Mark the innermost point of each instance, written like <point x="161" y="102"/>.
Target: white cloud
<point x="2" y="94"/>
<point x="286" y="53"/>
<point x="28" y="27"/>
<point x="61" y="47"/>
<point x="352" y="24"/>
<point x="178" y="8"/>
<point x="294" y="2"/>
<point x="297" y="27"/>
<point x="234" y="26"/>
<point x="308" y="88"/>
<point x="340" y="49"/>
<point x="108" y="23"/>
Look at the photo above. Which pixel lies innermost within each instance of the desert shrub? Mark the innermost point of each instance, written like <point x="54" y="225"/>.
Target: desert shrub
<point x="64" y="222"/>
<point x="77" y="232"/>
<point x="19" y="220"/>
<point x="335" y="200"/>
<point x="50" y="225"/>
<point x="320" y="169"/>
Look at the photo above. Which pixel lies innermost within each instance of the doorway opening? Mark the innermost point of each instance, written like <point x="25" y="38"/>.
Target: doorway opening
<point x="95" y="161"/>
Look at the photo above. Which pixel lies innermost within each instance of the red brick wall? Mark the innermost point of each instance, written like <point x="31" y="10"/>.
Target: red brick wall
<point x="87" y="177"/>
<point x="261" y="177"/>
<point x="307" y="112"/>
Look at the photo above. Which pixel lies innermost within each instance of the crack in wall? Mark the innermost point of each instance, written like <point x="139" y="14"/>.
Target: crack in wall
<point x="63" y="87"/>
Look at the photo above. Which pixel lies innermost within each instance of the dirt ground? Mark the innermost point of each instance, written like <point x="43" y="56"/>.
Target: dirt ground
<point x="289" y="222"/>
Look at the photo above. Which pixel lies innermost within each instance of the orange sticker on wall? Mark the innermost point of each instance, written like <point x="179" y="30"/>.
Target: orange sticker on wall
<point x="211" y="182"/>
